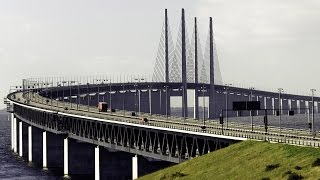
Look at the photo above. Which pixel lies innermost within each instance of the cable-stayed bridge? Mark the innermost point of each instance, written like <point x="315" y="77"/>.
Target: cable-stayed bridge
<point x="55" y="121"/>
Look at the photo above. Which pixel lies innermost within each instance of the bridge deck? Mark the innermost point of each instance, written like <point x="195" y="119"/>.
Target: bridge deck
<point x="235" y="131"/>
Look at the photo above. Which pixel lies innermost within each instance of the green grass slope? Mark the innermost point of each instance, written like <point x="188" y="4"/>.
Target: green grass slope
<point x="248" y="160"/>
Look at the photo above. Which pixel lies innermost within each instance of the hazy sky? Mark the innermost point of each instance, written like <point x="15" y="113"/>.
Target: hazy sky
<point x="260" y="43"/>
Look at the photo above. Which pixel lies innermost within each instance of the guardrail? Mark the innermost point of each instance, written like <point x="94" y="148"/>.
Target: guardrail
<point x="287" y="135"/>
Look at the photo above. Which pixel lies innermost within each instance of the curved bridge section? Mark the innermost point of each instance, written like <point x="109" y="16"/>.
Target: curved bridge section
<point x="68" y="116"/>
<point x="46" y="131"/>
<point x="60" y="126"/>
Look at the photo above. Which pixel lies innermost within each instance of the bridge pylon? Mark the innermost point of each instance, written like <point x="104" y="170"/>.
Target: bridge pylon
<point x="185" y="63"/>
<point x="196" y="95"/>
<point x="212" y="88"/>
<point x="184" y="67"/>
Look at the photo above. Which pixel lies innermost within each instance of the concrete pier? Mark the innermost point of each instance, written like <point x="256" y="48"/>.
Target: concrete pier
<point x="96" y="163"/>
<point x="135" y="167"/>
<point x="15" y="143"/>
<point x="20" y="139"/>
<point x="44" y="149"/>
<point x="30" y="143"/>
<point x="65" y="156"/>
<point x="12" y="131"/>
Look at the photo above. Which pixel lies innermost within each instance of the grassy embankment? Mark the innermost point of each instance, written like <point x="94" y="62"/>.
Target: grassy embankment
<point x="248" y="160"/>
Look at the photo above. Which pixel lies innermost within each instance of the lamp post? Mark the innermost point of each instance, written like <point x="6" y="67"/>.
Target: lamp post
<point x="110" y="95"/>
<point x="51" y="93"/>
<point x="33" y="92"/>
<point x="58" y="85"/>
<point x="100" y="81"/>
<point x="45" y="84"/>
<point x="312" y="120"/>
<point x="137" y="80"/>
<point x="150" y="100"/>
<point x="88" y="95"/>
<point x="204" y="105"/>
<point x="78" y="97"/>
<point x="226" y="87"/>
<point x="280" y="91"/>
<point x="123" y="99"/>
<point x="166" y="87"/>
<point x="135" y="97"/>
<point x="41" y="91"/>
<point x="70" y="97"/>
<point x="37" y="92"/>
<point x="251" y="112"/>
<point x="63" y="82"/>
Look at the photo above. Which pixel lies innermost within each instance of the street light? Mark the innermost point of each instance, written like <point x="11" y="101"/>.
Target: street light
<point x="280" y="91"/>
<point x="110" y="100"/>
<point x="150" y="100"/>
<point x="37" y="92"/>
<point x="166" y="87"/>
<point x="137" y="80"/>
<point x="88" y="95"/>
<point x="226" y="87"/>
<point x="63" y="82"/>
<point x="58" y="85"/>
<point x="100" y="81"/>
<point x="69" y="84"/>
<point x="251" y="89"/>
<point x="312" y="91"/>
<point x="51" y="93"/>
<point x="43" y="84"/>
<point x="204" y="104"/>
<point x="78" y="97"/>
<point x="123" y="100"/>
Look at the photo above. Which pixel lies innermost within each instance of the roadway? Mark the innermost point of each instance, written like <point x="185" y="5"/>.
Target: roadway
<point x="235" y="130"/>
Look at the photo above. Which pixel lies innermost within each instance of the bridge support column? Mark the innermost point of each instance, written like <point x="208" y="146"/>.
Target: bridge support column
<point x="20" y="139"/>
<point x="44" y="149"/>
<point x="273" y="111"/>
<point x="289" y="104"/>
<point x="298" y="106"/>
<point x="65" y="157"/>
<point x="306" y="105"/>
<point x="12" y="131"/>
<point x="135" y="167"/>
<point x="150" y="101"/>
<point x="15" y="144"/>
<point x="30" y="143"/>
<point x="257" y="110"/>
<point x="96" y="163"/>
<point x="281" y="106"/>
<point x="168" y="102"/>
<point x="196" y="104"/>
<point x="139" y="101"/>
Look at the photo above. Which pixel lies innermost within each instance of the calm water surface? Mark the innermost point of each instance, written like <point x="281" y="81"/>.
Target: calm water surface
<point x="12" y="166"/>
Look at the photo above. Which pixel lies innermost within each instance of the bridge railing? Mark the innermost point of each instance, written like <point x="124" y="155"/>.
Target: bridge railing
<point x="213" y="127"/>
<point x="61" y="105"/>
